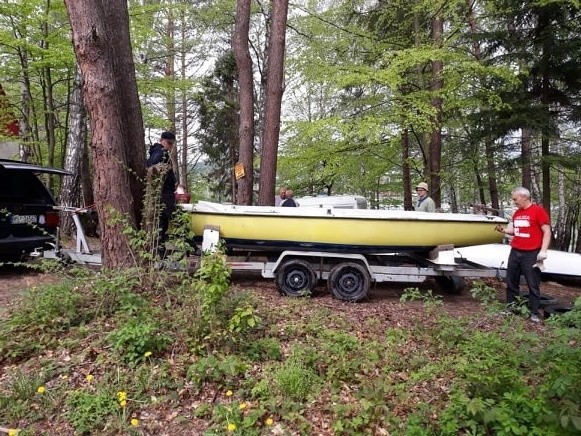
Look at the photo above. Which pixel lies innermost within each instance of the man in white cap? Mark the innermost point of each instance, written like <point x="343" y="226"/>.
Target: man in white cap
<point x="425" y="203"/>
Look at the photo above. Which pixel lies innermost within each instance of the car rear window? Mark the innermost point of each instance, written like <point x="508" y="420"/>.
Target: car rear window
<point x="22" y="187"/>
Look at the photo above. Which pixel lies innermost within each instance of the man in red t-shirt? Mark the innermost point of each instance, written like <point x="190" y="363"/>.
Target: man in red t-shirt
<point x="531" y="231"/>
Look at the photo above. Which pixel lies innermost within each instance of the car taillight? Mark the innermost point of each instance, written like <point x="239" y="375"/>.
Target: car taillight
<point x="52" y="219"/>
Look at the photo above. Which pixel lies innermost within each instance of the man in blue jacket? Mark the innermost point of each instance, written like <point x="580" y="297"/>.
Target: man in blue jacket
<point x="159" y="155"/>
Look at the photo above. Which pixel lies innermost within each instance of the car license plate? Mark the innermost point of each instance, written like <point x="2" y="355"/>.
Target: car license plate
<point x="24" y="219"/>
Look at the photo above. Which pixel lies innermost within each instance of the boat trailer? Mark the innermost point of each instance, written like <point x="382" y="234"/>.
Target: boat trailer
<point x="349" y="275"/>
<point x="82" y="254"/>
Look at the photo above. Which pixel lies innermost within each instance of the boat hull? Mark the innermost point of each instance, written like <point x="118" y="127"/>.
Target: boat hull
<point x="359" y="231"/>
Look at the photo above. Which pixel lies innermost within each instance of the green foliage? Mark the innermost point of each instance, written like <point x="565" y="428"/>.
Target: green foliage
<point x="21" y="394"/>
<point x="263" y="349"/>
<point x="89" y="411"/>
<point x="42" y="314"/>
<point x="216" y="369"/>
<point x="294" y="379"/>
<point x="212" y="282"/>
<point x="571" y="318"/>
<point x="484" y="293"/>
<point x="136" y="336"/>
<point x="427" y="298"/>
<point x="244" y="319"/>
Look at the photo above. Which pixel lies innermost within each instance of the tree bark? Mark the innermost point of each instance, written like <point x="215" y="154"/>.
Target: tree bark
<point x="526" y="158"/>
<point x="77" y="135"/>
<point x="246" y="101"/>
<point x="406" y="177"/>
<point x="274" y="91"/>
<point x="103" y="49"/>
<point x="436" y="136"/>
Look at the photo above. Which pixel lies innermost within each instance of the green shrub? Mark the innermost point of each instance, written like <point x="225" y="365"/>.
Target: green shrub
<point x="263" y="349"/>
<point x="88" y="412"/>
<point x="295" y="380"/>
<point x="135" y="337"/>
<point x="217" y="369"/>
<point x="428" y="298"/>
<point x="42" y="315"/>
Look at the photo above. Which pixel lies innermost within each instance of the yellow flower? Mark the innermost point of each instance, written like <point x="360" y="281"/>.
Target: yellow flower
<point x="231" y="427"/>
<point x="147" y="353"/>
<point x="242" y="406"/>
<point x="90" y="378"/>
<point x="121" y="396"/>
<point x="123" y="403"/>
<point x="13" y="431"/>
<point x="135" y="422"/>
<point x="229" y="393"/>
<point x="269" y="422"/>
<point x="41" y="390"/>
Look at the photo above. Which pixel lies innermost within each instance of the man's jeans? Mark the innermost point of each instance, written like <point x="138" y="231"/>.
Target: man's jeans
<point x="521" y="262"/>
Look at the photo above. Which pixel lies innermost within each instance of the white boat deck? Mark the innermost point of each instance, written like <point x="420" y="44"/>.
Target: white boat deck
<point x="330" y="212"/>
<point x="496" y="256"/>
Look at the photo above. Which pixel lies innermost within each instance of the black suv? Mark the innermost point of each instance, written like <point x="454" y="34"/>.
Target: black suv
<point x="27" y="218"/>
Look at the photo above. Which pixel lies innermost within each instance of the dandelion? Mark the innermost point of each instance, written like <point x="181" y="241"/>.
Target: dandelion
<point x="123" y="403"/>
<point x="41" y="390"/>
<point x="148" y="353"/>
<point x="13" y="431"/>
<point x="135" y="422"/>
<point x="231" y="427"/>
<point x="90" y="378"/>
<point x="269" y="422"/>
<point x="229" y="393"/>
<point x="122" y="396"/>
<point x="242" y="406"/>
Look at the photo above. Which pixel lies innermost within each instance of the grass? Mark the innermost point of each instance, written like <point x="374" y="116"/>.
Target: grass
<point x="190" y="355"/>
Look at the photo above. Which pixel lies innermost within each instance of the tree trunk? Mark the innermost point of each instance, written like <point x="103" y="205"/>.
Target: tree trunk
<point x="183" y="164"/>
<point x="274" y="90"/>
<point x="406" y="178"/>
<point x="77" y="135"/>
<point x="103" y="49"/>
<point x="491" y="167"/>
<point x="170" y="76"/>
<point x="436" y="136"/>
<point x="526" y="158"/>
<point x="246" y="101"/>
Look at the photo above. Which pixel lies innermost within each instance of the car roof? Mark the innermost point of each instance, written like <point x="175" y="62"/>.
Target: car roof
<point x="17" y="165"/>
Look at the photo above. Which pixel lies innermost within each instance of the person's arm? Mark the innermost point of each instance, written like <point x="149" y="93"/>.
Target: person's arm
<point x="509" y="230"/>
<point x="155" y="157"/>
<point x="546" y="228"/>
<point x="430" y="205"/>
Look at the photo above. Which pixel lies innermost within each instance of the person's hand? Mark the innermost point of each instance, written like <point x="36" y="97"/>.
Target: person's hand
<point x="541" y="256"/>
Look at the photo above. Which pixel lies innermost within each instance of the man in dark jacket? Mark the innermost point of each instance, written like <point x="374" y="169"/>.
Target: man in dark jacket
<point x="159" y="155"/>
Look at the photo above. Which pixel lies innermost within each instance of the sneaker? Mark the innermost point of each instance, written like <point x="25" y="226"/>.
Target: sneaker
<point x="535" y="319"/>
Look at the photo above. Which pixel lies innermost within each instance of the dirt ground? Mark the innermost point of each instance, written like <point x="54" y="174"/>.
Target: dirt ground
<point x="383" y="297"/>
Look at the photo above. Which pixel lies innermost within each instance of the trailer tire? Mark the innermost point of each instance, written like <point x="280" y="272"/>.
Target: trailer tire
<point x="349" y="281"/>
<point x="296" y="278"/>
<point x="451" y="284"/>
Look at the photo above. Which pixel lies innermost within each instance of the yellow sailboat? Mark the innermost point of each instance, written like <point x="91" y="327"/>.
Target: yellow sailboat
<point x="331" y="229"/>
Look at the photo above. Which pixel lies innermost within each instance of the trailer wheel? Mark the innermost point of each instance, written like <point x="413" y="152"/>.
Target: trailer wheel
<point x="296" y="278"/>
<point x="349" y="281"/>
<point x="451" y="284"/>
